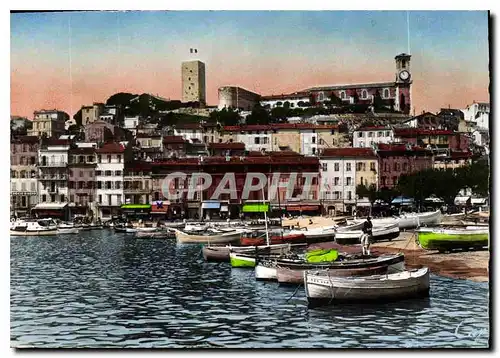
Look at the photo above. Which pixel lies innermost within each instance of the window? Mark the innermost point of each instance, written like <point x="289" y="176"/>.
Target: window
<point x="99" y="158"/>
<point x="118" y="185"/>
<point x="98" y="173"/>
<point x="71" y="184"/>
<point x="372" y="166"/>
<point x="364" y="94"/>
<point x="81" y="185"/>
<point x="80" y="174"/>
<point x="23" y="201"/>
<point x="348" y="181"/>
<point x="52" y="198"/>
<point x="257" y="140"/>
<point x="358" y="167"/>
<point x="118" y="173"/>
<point x="314" y="140"/>
<point x="33" y="187"/>
<point x="265" y="140"/>
<point x="72" y="198"/>
<point x="107" y="173"/>
<point x="336" y="181"/>
<point x="386" y="93"/>
<point x="108" y="185"/>
<point x="387" y="133"/>
<point x="99" y="199"/>
<point x="313" y="151"/>
<point x="44" y="198"/>
<point x="342" y="95"/>
<point x="99" y="186"/>
<point x="109" y="199"/>
<point x="90" y="158"/>
<point x="370" y="134"/>
<point x="336" y="167"/>
<point x="379" y="134"/>
<point x="321" y="96"/>
<point x="324" y="166"/>
<point x="348" y="167"/>
<point x="13" y="186"/>
<point x="362" y="181"/>
<point x="109" y="158"/>
<point x="349" y="195"/>
<point x="146" y="185"/>
<point x="360" y="134"/>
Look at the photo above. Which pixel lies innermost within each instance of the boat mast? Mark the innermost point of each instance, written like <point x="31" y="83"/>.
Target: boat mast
<point x="265" y="216"/>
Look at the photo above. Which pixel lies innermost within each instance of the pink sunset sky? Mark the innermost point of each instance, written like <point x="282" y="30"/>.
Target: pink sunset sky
<point x="66" y="60"/>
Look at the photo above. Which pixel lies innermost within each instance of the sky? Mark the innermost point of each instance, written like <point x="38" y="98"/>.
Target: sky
<point x="65" y="60"/>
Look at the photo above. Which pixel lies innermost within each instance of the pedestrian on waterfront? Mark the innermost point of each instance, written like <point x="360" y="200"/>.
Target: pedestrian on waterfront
<point x="366" y="238"/>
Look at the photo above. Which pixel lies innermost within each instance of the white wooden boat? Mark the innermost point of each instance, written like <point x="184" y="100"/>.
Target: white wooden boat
<point x="410" y="220"/>
<point x="221" y="252"/>
<point x="323" y="233"/>
<point x="213" y="238"/>
<point x="40" y="227"/>
<point x="387" y="232"/>
<point x="322" y="288"/>
<point x="266" y="270"/>
<point x="67" y="228"/>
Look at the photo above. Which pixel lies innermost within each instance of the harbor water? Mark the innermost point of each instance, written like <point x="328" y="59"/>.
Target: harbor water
<point x="100" y="289"/>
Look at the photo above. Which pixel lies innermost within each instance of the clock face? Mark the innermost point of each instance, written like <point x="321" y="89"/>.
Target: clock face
<point x="404" y="75"/>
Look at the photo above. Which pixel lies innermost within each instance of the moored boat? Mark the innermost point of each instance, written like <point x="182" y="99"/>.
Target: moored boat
<point x="40" y="227"/>
<point x="409" y="220"/>
<point x="449" y="239"/>
<point x="209" y="238"/>
<point x="221" y="253"/>
<point x="265" y="270"/>
<point x="291" y="271"/>
<point x="241" y="260"/>
<point x="323" y="288"/>
<point x="273" y="240"/>
<point x="379" y="233"/>
<point x="67" y="228"/>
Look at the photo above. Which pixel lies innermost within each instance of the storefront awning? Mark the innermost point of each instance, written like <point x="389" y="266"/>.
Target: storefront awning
<point x="135" y="206"/>
<point x="210" y="205"/>
<point x="159" y="206"/>
<point x="50" y="206"/>
<point x="255" y="208"/>
<point x="302" y="207"/>
<point x="224" y="208"/>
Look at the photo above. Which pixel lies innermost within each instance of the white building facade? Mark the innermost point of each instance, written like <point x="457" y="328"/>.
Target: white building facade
<point x="478" y="112"/>
<point x="109" y="180"/>
<point x="366" y="137"/>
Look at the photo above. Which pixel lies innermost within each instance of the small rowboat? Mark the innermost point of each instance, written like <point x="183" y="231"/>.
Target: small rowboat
<point x="449" y="239"/>
<point x="66" y="228"/>
<point x="217" y="238"/>
<point x="323" y="288"/>
<point x="221" y="253"/>
<point x="291" y="271"/>
<point x="387" y="232"/>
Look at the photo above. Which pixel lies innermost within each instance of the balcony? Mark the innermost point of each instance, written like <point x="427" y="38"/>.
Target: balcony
<point x="136" y="191"/>
<point x="52" y="164"/>
<point x="53" y="190"/>
<point x="53" y="177"/>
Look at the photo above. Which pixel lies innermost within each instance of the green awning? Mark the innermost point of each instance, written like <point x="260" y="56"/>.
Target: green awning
<point x="136" y="206"/>
<point x="255" y="208"/>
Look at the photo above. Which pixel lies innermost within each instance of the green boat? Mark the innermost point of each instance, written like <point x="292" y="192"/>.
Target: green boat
<point x="241" y="260"/>
<point x="449" y="239"/>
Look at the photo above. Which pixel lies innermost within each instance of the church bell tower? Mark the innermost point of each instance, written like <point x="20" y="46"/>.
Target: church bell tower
<point x="403" y="83"/>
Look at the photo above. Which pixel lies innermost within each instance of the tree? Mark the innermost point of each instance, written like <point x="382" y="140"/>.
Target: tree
<point x="226" y="117"/>
<point x="286" y="104"/>
<point x="334" y="100"/>
<point x="258" y="116"/>
<point x="279" y="114"/>
<point x="78" y="117"/>
<point x="121" y="98"/>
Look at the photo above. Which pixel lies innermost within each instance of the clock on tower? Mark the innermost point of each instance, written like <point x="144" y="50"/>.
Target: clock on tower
<point x="403" y="68"/>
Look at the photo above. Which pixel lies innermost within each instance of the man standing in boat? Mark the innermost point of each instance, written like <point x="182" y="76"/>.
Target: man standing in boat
<point x="366" y="238"/>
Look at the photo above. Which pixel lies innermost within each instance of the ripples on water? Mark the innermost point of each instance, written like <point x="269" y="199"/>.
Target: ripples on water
<point x="101" y="289"/>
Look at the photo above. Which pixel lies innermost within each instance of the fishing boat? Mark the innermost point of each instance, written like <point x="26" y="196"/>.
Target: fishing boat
<point x="448" y="239"/>
<point x="209" y="237"/>
<point x="40" y="227"/>
<point x="265" y="270"/>
<point x="241" y="260"/>
<point x="159" y="234"/>
<point x="67" y="228"/>
<point x="379" y="233"/>
<point x="319" y="234"/>
<point x="409" y="220"/>
<point x="323" y="288"/>
<point x="291" y="271"/>
<point x="221" y="252"/>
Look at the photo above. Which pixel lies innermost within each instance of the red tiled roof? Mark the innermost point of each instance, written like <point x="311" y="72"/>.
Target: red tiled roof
<point x="410" y="132"/>
<point x="233" y="145"/>
<point x="171" y="139"/>
<point x="111" y="148"/>
<point x="176" y="161"/>
<point x="348" y="152"/>
<point x="400" y="147"/>
<point x="373" y="128"/>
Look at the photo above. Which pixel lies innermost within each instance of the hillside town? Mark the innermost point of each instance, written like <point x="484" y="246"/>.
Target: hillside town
<point x="110" y="159"/>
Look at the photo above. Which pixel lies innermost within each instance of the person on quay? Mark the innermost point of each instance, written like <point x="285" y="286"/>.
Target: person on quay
<point x="366" y="237"/>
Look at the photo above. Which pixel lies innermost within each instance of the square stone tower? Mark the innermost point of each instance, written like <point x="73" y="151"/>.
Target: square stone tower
<point x="193" y="82"/>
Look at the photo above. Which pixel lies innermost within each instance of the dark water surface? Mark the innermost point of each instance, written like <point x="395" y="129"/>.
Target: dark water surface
<point x="101" y="289"/>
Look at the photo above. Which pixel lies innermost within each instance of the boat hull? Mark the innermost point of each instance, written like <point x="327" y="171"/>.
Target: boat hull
<point x="64" y="231"/>
<point x="221" y="253"/>
<point x="34" y="233"/>
<point x="238" y="260"/>
<point x="388" y="232"/>
<point x="323" y="289"/>
<point x="288" y="276"/>
<point x="266" y="271"/>
<point x="226" y="238"/>
<point x="453" y="239"/>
